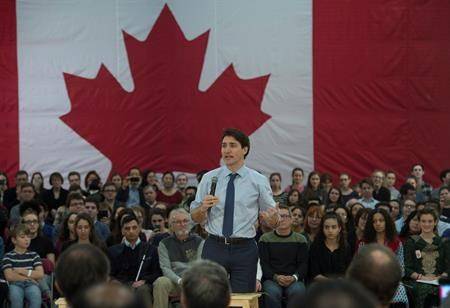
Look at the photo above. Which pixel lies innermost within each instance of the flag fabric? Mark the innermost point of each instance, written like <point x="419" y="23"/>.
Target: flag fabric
<point x="337" y="86"/>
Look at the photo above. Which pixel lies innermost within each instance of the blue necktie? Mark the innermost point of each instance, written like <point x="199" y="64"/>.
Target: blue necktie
<point x="227" y="229"/>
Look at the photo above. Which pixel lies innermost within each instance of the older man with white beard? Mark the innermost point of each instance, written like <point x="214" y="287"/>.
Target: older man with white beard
<point x="176" y="254"/>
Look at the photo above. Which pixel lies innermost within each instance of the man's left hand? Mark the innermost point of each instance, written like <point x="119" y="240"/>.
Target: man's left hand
<point x="138" y="283"/>
<point x="271" y="217"/>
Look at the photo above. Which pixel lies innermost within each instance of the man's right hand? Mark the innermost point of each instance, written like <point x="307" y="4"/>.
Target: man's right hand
<point x="209" y="202"/>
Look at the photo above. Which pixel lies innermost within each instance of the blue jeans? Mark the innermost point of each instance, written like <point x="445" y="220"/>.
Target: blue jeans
<point x="274" y="292"/>
<point x="24" y="289"/>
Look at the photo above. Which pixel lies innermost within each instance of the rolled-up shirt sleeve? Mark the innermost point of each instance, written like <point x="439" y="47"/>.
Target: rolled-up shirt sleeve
<point x="265" y="199"/>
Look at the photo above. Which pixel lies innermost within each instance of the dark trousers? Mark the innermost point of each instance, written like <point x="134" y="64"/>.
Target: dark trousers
<point x="239" y="260"/>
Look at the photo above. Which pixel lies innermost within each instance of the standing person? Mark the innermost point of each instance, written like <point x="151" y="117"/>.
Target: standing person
<point x="313" y="190"/>
<point x="389" y="183"/>
<point x="418" y="171"/>
<point x="279" y="195"/>
<point x="10" y="195"/>
<point x="297" y="180"/>
<point x="367" y="199"/>
<point x="344" y="185"/>
<point x="232" y="212"/>
<point x="56" y="195"/>
<point x="38" y="182"/>
<point x="169" y="193"/>
<point x="380" y="192"/>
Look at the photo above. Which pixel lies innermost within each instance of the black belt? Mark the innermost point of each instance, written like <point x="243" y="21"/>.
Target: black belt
<point x="230" y="240"/>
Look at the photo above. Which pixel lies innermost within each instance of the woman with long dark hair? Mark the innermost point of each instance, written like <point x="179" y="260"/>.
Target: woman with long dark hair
<point x="293" y="198"/>
<point x="329" y="254"/>
<point x="84" y="233"/>
<point x="67" y="232"/>
<point x="297" y="180"/>
<point x="37" y="179"/>
<point x="279" y="195"/>
<point x="356" y="235"/>
<point x="411" y="227"/>
<point x="334" y="198"/>
<point x="313" y="190"/>
<point x="380" y="228"/>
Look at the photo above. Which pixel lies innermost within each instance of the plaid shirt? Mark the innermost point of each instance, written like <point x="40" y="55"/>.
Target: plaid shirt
<point x="426" y="189"/>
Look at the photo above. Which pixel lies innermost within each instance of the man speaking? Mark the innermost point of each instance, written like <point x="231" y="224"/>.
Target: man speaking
<point x="230" y="199"/>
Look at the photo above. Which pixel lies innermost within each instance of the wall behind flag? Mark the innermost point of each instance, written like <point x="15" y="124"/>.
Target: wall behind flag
<point x="381" y="86"/>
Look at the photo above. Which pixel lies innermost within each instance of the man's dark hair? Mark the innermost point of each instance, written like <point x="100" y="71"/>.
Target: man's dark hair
<point x="27" y="206"/>
<point x="376" y="268"/>
<point x="443" y="174"/>
<point x="366" y="181"/>
<point x="74" y="173"/>
<point x="200" y="175"/>
<point x="205" y="284"/>
<point x="109" y="184"/>
<point x="79" y="267"/>
<point x="191" y="187"/>
<point x="161" y="212"/>
<point x="417" y="164"/>
<point x="339" y="293"/>
<point x="93" y="200"/>
<point x="111" y="295"/>
<point x="21" y="172"/>
<point x="242" y="138"/>
<point x="128" y="218"/>
<point x="405" y="187"/>
<point x="73" y="196"/>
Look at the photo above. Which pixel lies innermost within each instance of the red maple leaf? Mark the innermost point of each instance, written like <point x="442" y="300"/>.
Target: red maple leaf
<point x="165" y="123"/>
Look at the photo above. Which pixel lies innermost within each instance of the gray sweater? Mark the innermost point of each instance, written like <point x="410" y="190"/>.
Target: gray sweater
<point x="176" y="256"/>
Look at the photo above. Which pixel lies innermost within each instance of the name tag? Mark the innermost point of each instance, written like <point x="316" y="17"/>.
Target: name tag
<point x="418" y="254"/>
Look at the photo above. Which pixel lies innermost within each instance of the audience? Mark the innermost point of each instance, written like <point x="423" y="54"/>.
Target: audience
<point x="22" y="269"/>
<point x="205" y="284"/>
<point x="111" y="295"/>
<point x="337" y="294"/>
<point x="80" y="267"/>
<point x="425" y="258"/>
<point x="134" y="262"/>
<point x="284" y="261"/>
<point x="330" y="254"/>
<point x="377" y="269"/>
<point x="176" y="254"/>
<point x="145" y="254"/>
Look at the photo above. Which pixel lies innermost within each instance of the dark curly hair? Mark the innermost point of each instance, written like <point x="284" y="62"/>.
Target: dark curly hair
<point x="370" y="235"/>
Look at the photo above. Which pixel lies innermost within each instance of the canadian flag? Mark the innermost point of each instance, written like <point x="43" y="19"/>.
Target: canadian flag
<point x="337" y="86"/>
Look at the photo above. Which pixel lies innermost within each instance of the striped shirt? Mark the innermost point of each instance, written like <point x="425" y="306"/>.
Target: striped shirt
<point x="29" y="260"/>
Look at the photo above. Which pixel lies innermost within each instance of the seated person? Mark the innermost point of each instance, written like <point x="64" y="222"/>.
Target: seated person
<point x="101" y="229"/>
<point x="22" y="269"/>
<point x="284" y="261"/>
<point x="330" y="254"/>
<point x="158" y="219"/>
<point x="176" y="254"/>
<point x="128" y="264"/>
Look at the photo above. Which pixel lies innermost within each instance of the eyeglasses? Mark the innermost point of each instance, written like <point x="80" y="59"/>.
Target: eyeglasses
<point x="179" y="222"/>
<point x="31" y="222"/>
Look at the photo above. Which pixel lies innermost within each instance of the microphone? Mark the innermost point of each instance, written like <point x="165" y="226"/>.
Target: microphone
<point x="212" y="191"/>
